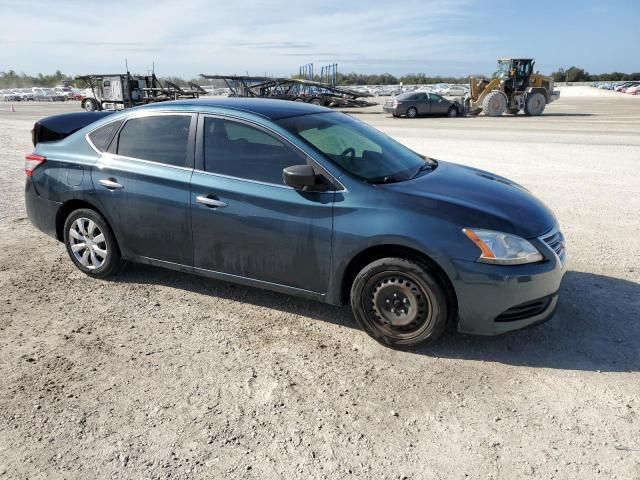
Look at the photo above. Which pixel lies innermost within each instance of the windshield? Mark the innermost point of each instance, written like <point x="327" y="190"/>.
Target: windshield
<point x="358" y="148"/>
<point x="503" y="70"/>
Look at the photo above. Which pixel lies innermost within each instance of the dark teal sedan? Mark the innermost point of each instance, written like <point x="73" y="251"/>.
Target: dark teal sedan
<point x="302" y="200"/>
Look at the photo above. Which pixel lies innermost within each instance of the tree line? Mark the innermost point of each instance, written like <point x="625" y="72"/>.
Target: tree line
<point x="11" y="79"/>
<point x="575" y="74"/>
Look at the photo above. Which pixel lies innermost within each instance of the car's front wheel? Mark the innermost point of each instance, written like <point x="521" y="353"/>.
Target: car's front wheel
<point x="400" y="303"/>
<point x="91" y="243"/>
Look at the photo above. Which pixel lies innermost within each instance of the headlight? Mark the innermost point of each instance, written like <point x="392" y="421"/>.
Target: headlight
<point x="503" y="248"/>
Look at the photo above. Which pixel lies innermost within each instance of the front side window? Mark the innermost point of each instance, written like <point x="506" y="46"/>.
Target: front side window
<point x="356" y="147"/>
<point x="240" y="150"/>
<point x="158" y="138"/>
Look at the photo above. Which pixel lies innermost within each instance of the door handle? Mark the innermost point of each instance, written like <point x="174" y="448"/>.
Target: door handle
<point x="110" y="184"/>
<point x="210" y="202"/>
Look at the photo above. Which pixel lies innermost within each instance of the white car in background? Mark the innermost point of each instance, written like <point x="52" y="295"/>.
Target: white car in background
<point x="66" y="91"/>
<point x="9" y="96"/>
<point x="455" y="91"/>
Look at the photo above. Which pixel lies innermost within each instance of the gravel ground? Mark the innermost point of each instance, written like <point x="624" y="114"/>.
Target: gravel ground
<point x="158" y="374"/>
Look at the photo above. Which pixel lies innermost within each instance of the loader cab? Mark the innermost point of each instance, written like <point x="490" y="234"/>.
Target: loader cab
<point x="515" y="73"/>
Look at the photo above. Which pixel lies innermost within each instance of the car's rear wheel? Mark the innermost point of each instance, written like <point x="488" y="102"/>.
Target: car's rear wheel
<point x="91" y="243"/>
<point x="412" y="112"/>
<point x="400" y="303"/>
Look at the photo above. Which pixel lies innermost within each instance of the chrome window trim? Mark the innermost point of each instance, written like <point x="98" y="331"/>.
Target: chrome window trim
<point x="285" y="140"/>
<point x="107" y="156"/>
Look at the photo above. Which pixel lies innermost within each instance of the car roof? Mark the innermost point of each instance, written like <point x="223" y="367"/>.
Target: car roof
<point x="269" y="108"/>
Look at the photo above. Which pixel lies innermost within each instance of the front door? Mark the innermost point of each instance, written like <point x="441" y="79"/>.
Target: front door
<point x="246" y="222"/>
<point x="438" y="104"/>
<point x="143" y="185"/>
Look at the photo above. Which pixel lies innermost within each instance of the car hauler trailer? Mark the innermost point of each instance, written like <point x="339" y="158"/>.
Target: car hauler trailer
<point x="123" y="90"/>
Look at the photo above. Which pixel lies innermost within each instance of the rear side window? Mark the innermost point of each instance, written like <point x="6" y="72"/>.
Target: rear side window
<point x="101" y="137"/>
<point x="159" y="138"/>
<point x="242" y="151"/>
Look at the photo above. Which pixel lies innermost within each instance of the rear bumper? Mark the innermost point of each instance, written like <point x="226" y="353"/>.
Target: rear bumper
<point x="489" y="294"/>
<point x="41" y="212"/>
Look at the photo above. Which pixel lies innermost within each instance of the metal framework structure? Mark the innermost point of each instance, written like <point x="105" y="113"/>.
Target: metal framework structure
<point x="329" y="74"/>
<point x="306" y="71"/>
<point x="292" y="89"/>
<point x="124" y="90"/>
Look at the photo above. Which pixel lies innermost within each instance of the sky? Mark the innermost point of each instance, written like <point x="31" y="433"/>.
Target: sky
<point x="437" y="37"/>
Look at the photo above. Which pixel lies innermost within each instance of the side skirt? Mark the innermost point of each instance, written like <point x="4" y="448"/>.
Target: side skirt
<point x="250" y="282"/>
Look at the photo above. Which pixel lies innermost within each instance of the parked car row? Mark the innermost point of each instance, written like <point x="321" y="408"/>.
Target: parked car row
<point x="444" y="89"/>
<point x="631" y="87"/>
<point x="41" y="94"/>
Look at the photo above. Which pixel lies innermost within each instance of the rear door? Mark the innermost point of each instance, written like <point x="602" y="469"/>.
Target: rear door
<point x="422" y="101"/>
<point x="143" y="186"/>
<point x="246" y="222"/>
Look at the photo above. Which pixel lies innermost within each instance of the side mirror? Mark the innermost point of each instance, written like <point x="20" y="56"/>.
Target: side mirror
<point x="299" y="176"/>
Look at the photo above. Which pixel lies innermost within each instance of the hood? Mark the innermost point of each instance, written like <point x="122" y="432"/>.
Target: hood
<point x="475" y="198"/>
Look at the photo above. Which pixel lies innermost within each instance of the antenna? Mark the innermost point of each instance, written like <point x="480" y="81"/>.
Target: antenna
<point x="126" y="65"/>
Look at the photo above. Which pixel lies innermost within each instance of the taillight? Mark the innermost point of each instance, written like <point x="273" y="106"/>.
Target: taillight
<point x="31" y="161"/>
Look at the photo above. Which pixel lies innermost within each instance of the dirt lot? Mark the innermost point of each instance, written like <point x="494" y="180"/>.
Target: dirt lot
<point x="158" y="374"/>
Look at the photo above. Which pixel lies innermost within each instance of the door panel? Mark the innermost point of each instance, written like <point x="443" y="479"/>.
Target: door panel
<point x="246" y="222"/>
<point x="265" y="232"/>
<point x="147" y="199"/>
<point x="150" y="212"/>
<point x="438" y="104"/>
<point x="424" y="106"/>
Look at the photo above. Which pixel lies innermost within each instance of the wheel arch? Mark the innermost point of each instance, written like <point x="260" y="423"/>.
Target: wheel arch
<point x="69" y="206"/>
<point x="376" y="252"/>
<point x="541" y="90"/>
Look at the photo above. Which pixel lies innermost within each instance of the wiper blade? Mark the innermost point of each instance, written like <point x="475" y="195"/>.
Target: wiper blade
<point x="424" y="168"/>
<point x="385" y="179"/>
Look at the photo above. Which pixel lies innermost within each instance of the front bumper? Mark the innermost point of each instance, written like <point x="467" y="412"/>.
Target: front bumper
<point x="555" y="95"/>
<point x="391" y="110"/>
<point x="488" y="294"/>
<point x="41" y="212"/>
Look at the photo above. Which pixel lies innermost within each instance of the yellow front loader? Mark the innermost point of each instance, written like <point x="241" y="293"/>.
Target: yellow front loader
<point x="512" y="88"/>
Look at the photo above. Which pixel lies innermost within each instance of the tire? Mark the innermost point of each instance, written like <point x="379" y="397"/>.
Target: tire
<point x="399" y="302"/>
<point x="452" y="112"/>
<point x="534" y="104"/>
<point x="100" y="257"/>
<point x="316" y="101"/>
<point x="412" y="112"/>
<point x="494" y="104"/>
<point x="395" y="115"/>
<point x="89" y="104"/>
<point x="513" y="111"/>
